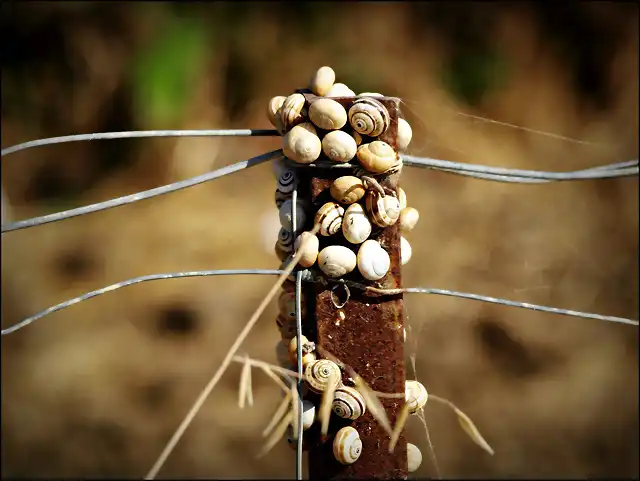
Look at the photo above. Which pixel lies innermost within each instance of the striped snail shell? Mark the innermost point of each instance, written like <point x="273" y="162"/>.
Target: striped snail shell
<point x="404" y="134"/>
<point x="348" y="403"/>
<point x="373" y="261"/>
<point x="369" y="117"/>
<point x="292" y="111"/>
<point x="322" y="81"/>
<point x="327" y="114"/>
<point x="317" y="375"/>
<point x="416" y="395"/>
<point x="311" y="249"/>
<point x="384" y="210"/>
<point x="280" y="198"/>
<point x="414" y="457"/>
<point x="347" y="189"/>
<point x="285" y="240"/>
<point x="307" y="351"/>
<point x="347" y="445"/>
<point x="377" y="156"/>
<point x="329" y="216"/>
<point x="274" y="105"/>
<point x="286" y="182"/>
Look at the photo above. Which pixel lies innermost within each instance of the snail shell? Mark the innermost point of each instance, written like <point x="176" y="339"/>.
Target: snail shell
<point x="327" y="114"/>
<point x="278" y="122"/>
<point x="282" y="354"/>
<point x="369" y="117"/>
<point x="286" y="217"/>
<point x="404" y="135"/>
<point x="280" y="253"/>
<point x="339" y="146"/>
<point x="416" y="395"/>
<point x="285" y="240"/>
<point x="311" y="249"/>
<point x="307" y="351"/>
<point x="278" y="167"/>
<point x="356" y="226"/>
<point x="336" y="261"/>
<point x="373" y="261"/>
<point x="317" y="375"/>
<point x="340" y="90"/>
<point x="414" y="458"/>
<point x="408" y="219"/>
<point x="322" y="81"/>
<point x="377" y="156"/>
<point x="405" y="251"/>
<point x="402" y="198"/>
<point x="348" y="403"/>
<point x="280" y="197"/>
<point x="347" y="189"/>
<point x="370" y="94"/>
<point x="308" y="414"/>
<point x="347" y="445"/>
<point x="286" y="182"/>
<point x="287" y="305"/>
<point x="301" y="144"/>
<point x="384" y="210"/>
<point x="357" y="137"/>
<point x="329" y="217"/>
<point x="274" y="105"/>
<point x="292" y="111"/>
<point x="287" y="327"/>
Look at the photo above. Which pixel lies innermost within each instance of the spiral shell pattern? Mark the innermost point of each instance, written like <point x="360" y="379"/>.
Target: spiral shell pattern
<point x="317" y="374"/>
<point x="329" y="216"/>
<point x="348" y="403"/>
<point x="292" y="111"/>
<point x="369" y="117"/>
<point x="384" y="210"/>
<point x="280" y="198"/>
<point x="347" y="445"/>
<point x="416" y="395"/>
<point x="286" y="182"/>
<point x="285" y="240"/>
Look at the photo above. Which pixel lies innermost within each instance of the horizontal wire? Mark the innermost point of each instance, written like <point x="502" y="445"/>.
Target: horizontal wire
<point x="309" y="278"/>
<point x="137" y="134"/>
<point x="147" y="194"/>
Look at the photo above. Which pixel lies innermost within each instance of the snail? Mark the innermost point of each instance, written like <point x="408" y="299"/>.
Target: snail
<point x="369" y="117"/>
<point x="370" y="94"/>
<point x="404" y="134"/>
<point x="347" y="445"/>
<point x="287" y="304"/>
<point x="274" y="105"/>
<point x="347" y="189"/>
<point x="301" y="144"/>
<point x="384" y="210"/>
<point x="340" y="90"/>
<point x="373" y="261"/>
<point x="377" y="156"/>
<point x="348" y="403"/>
<point x="318" y="375"/>
<point x="286" y="326"/>
<point x="414" y="458"/>
<point x="278" y="122"/>
<point x="286" y="217"/>
<point x="310" y="253"/>
<point x="329" y="216"/>
<point x="307" y="351"/>
<point x="292" y="111"/>
<point x="357" y="137"/>
<point x="286" y="182"/>
<point x="322" y="81"/>
<point x="356" y="226"/>
<point x="285" y="240"/>
<point x="336" y="261"/>
<point x="339" y="146"/>
<point x="327" y="114"/>
<point x="408" y="219"/>
<point x="282" y="354"/>
<point x="405" y="251"/>
<point x="308" y="414"/>
<point x="280" y="197"/>
<point x="416" y="395"/>
<point x="402" y="198"/>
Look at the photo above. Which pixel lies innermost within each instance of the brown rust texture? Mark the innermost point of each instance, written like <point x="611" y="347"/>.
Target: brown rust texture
<point x="369" y="339"/>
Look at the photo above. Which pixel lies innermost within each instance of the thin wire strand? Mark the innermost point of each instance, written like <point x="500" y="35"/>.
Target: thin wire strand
<point x="309" y="278"/>
<point x="137" y="134"/>
<point x="147" y="194"/>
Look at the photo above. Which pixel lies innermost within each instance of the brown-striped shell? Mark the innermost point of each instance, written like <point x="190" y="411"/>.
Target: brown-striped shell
<point x="377" y="156"/>
<point x="348" y="403"/>
<point x="347" y="445"/>
<point x="292" y="111"/>
<point x="329" y="216"/>
<point x="318" y="375"/>
<point x="369" y="117"/>
<point x="347" y="189"/>
<point x="383" y="210"/>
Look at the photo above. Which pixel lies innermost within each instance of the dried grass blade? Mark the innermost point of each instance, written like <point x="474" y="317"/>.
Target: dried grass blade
<point x="280" y="412"/>
<point x="467" y="425"/>
<point x="373" y="404"/>
<point x="324" y="414"/>
<point x="277" y="434"/>
<point x="276" y="379"/>
<point x="399" y="426"/>
<point x="245" y="382"/>
<point x="249" y="385"/>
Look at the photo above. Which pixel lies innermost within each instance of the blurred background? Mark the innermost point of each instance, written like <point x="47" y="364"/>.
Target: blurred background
<point x="97" y="389"/>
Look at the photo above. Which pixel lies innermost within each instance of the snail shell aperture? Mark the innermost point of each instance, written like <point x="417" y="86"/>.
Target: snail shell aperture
<point x="292" y="111"/>
<point x="348" y="403"/>
<point x="336" y="261"/>
<point x="347" y="445"/>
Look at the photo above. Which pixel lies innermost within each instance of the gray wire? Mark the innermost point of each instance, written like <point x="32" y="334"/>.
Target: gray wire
<point x="147" y="194"/>
<point x="140" y="134"/>
<point x="306" y="276"/>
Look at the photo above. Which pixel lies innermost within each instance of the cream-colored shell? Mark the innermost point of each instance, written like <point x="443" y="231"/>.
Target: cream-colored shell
<point x="322" y="81"/>
<point x="408" y="219"/>
<point x="373" y="261"/>
<point x="348" y="403"/>
<point x="370" y="94"/>
<point x="307" y="351"/>
<point x="286" y="215"/>
<point x="329" y="216"/>
<point x="317" y="375"/>
<point x="414" y="458"/>
<point x="292" y="110"/>
<point x="383" y="210"/>
<point x="308" y="414"/>
<point x="356" y="226"/>
<point x="347" y="189"/>
<point x="405" y="251"/>
<point x="369" y="117"/>
<point x="311" y="249"/>
<point x="404" y="135"/>
<point x="327" y="114"/>
<point x="285" y="240"/>
<point x="274" y="105"/>
<point x="336" y="261"/>
<point x="339" y="146"/>
<point x="402" y="198"/>
<point x="340" y="90"/>
<point x="377" y="156"/>
<point x="347" y="445"/>
<point x="416" y="395"/>
<point x="301" y="144"/>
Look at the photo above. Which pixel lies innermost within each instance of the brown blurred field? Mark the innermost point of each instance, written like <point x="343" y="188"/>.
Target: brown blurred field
<point x="97" y="389"/>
